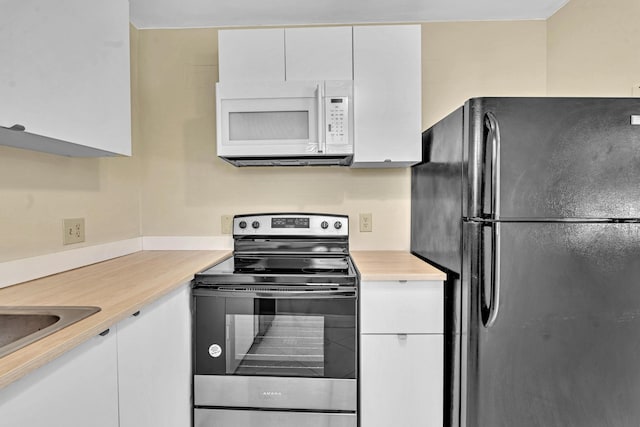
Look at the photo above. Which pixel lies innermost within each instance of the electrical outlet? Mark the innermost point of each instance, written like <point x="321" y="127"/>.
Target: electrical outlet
<point x="73" y="230"/>
<point x="226" y="224"/>
<point x="366" y="224"/>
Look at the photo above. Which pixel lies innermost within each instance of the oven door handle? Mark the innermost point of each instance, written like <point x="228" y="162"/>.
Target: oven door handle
<point x="238" y="293"/>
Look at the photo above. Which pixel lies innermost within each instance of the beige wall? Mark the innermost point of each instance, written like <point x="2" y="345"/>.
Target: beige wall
<point x="174" y="184"/>
<point x="185" y="188"/>
<point x="38" y="190"/>
<point x="470" y="59"/>
<point x="594" y="48"/>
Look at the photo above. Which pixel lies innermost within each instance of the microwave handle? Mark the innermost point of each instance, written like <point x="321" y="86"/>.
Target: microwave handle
<point x="320" y="123"/>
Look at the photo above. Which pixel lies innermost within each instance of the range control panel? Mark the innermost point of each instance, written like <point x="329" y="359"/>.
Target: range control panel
<point x="293" y="224"/>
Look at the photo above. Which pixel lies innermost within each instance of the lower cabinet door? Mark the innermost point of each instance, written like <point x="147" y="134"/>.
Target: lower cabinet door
<point x="242" y="418"/>
<point x="401" y="380"/>
<point x="154" y="364"/>
<point x="79" y="389"/>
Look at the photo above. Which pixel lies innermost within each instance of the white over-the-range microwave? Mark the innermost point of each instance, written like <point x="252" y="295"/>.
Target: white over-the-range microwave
<point x="285" y="123"/>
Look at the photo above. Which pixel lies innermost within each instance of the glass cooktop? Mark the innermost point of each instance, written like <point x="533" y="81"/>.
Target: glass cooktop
<point x="280" y="268"/>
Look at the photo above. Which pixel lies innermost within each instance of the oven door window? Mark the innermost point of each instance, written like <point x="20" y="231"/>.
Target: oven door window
<point x="290" y="337"/>
<point x="282" y="345"/>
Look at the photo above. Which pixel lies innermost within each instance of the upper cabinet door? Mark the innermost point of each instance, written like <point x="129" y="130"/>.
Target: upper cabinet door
<point x="387" y="95"/>
<point x="65" y="76"/>
<point x="251" y="55"/>
<point x="319" y="53"/>
<point x="280" y="54"/>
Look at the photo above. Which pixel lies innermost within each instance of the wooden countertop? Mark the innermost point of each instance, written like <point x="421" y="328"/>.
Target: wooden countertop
<point x="120" y="287"/>
<point x="394" y="265"/>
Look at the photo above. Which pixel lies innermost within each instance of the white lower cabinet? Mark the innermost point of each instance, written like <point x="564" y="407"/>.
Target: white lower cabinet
<point x="79" y="389"/>
<point x="154" y="364"/>
<point x="139" y="374"/>
<point x="401" y="354"/>
<point x="401" y="380"/>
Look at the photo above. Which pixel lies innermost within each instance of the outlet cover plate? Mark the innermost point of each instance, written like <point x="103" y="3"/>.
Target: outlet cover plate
<point x="366" y="224"/>
<point x="73" y="230"/>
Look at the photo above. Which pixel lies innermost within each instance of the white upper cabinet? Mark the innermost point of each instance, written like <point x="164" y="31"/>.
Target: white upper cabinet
<point x="319" y="53"/>
<point x="251" y="55"/>
<point x="387" y="74"/>
<point x="65" y="77"/>
<point x="279" y="54"/>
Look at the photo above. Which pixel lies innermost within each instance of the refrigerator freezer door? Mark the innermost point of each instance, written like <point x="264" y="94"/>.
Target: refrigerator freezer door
<point x="559" y="157"/>
<point x="564" y="348"/>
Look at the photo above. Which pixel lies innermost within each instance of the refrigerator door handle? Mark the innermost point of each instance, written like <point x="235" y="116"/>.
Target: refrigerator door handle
<point x="490" y="311"/>
<point x="491" y="123"/>
<point x="490" y="298"/>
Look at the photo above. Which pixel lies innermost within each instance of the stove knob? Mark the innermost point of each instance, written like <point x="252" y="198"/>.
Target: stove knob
<point x="324" y="225"/>
<point x="338" y="225"/>
<point x="242" y="224"/>
<point x="255" y="224"/>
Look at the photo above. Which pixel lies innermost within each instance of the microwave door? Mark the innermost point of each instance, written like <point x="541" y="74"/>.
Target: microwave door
<point x="264" y="127"/>
<point x="278" y="126"/>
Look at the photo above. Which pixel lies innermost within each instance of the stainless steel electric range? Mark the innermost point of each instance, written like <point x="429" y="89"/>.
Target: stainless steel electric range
<point x="275" y="326"/>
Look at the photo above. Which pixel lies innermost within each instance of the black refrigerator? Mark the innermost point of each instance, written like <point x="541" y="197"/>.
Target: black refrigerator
<point x="532" y="207"/>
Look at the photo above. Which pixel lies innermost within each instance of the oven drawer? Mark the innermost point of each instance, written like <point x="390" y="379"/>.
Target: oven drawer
<point x="402" y="307"/>
<point x="242" y="418"/>
<point x="275" y="392"/>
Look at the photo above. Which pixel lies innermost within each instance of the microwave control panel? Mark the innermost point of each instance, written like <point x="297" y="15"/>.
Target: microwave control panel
<point x="337" y="120"/>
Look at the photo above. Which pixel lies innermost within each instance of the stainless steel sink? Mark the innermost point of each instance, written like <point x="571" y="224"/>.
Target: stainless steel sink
<point x="20" y="326"/>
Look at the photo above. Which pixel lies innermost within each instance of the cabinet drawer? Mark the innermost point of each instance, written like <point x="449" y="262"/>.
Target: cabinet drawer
<point x="411" y="307"/>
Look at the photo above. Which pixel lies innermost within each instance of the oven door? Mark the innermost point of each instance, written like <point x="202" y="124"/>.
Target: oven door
<point x="284" y="348"/>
